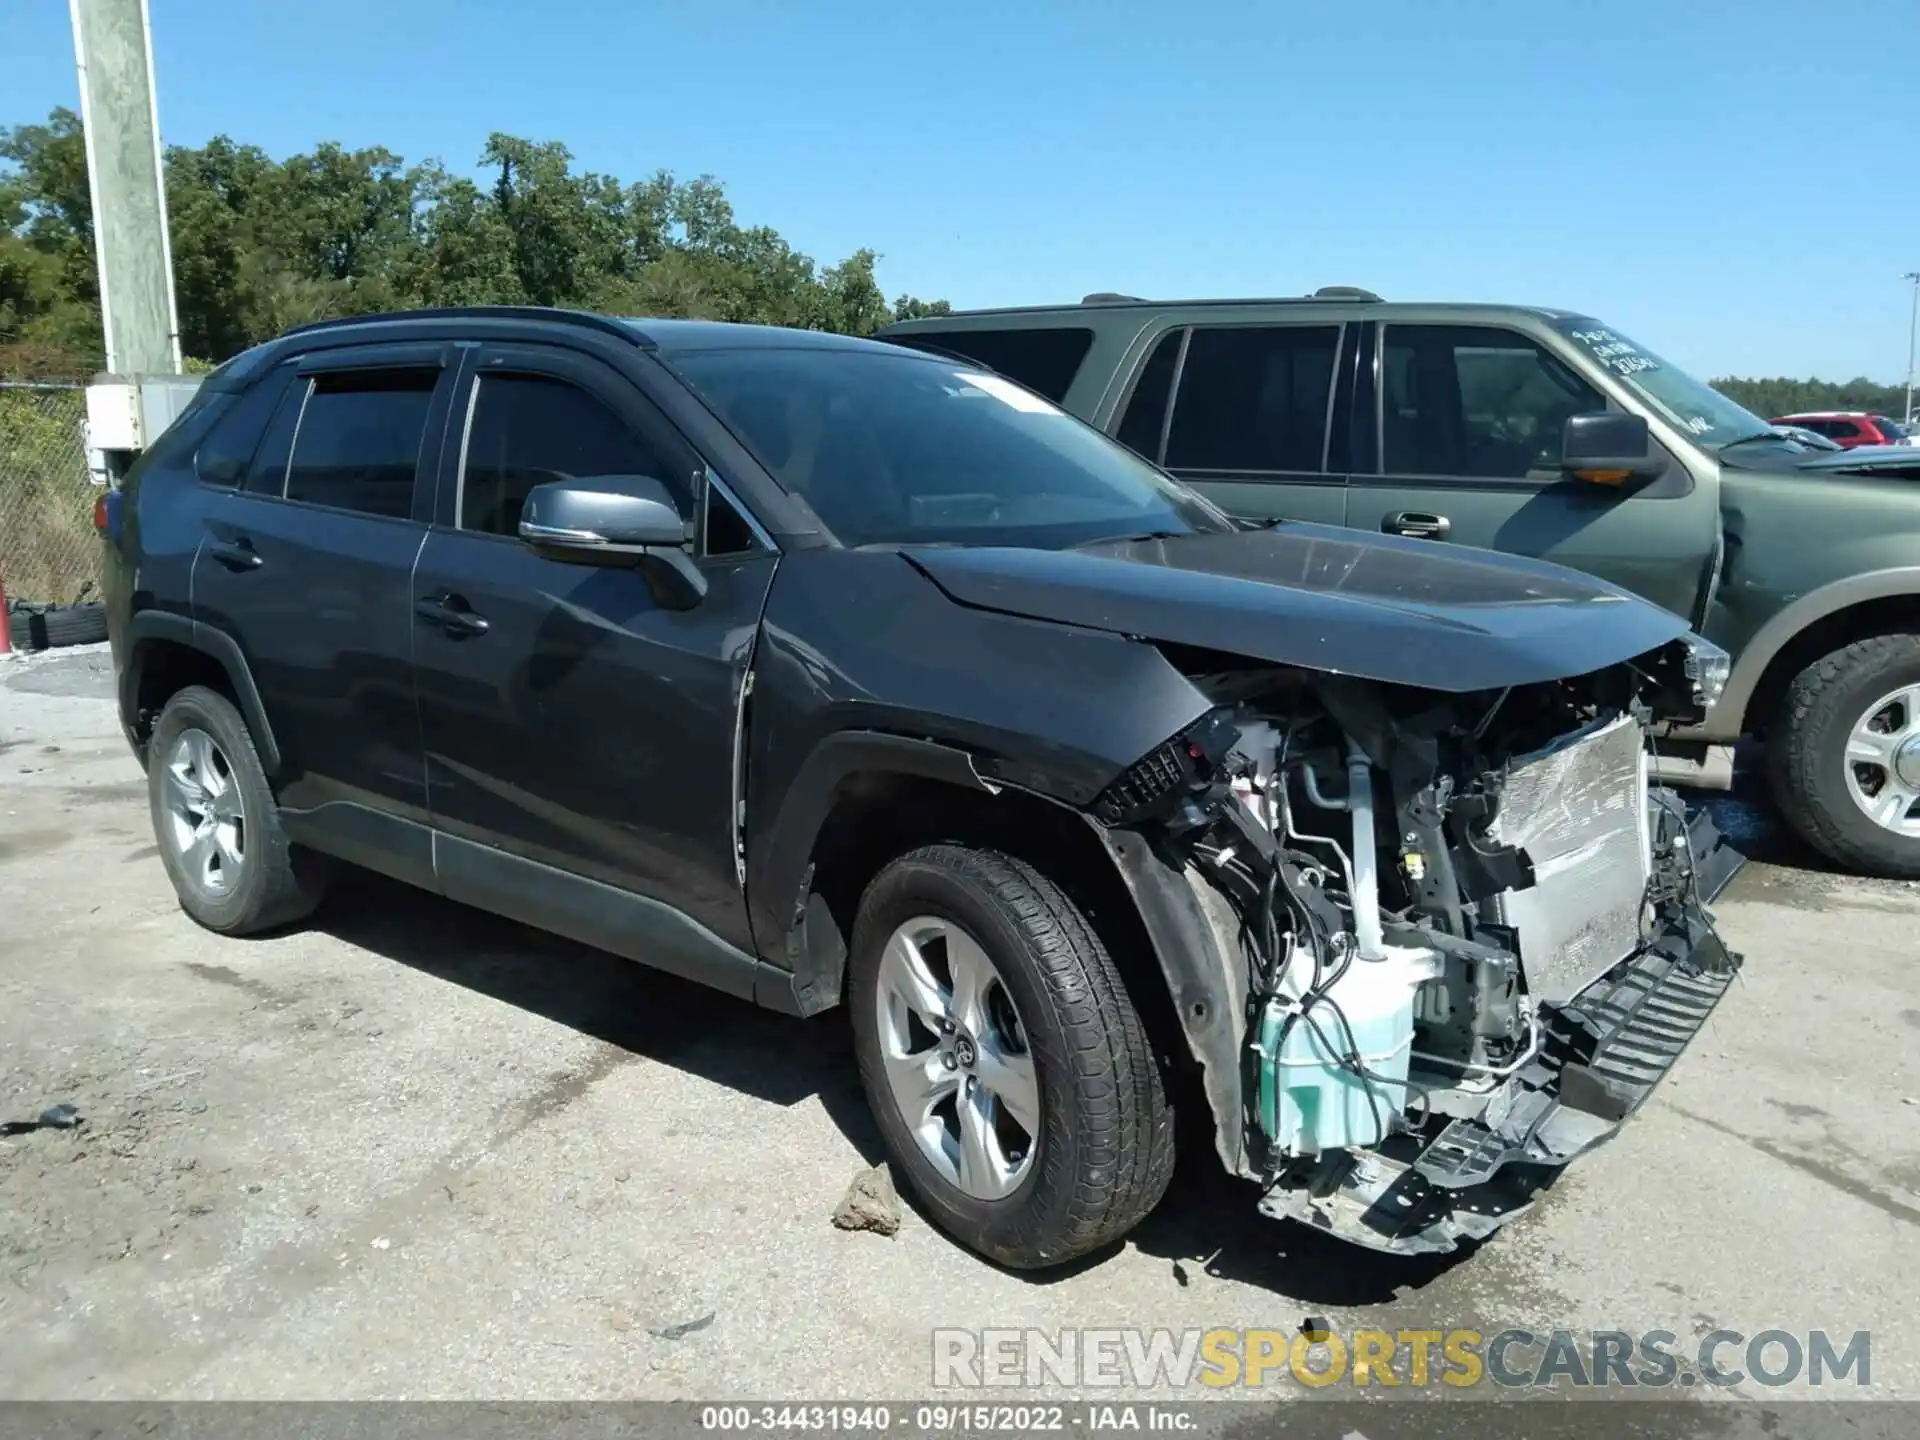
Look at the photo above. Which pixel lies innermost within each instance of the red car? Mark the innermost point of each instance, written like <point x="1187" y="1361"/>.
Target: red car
<point x="1848" y="428"/>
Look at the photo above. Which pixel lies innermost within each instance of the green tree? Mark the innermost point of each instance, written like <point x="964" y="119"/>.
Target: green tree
<point x="1782" y="396"/>
<point x="49" y="290"/>
<point x="261" y="244"/>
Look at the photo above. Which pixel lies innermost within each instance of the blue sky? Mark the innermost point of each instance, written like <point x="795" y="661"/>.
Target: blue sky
<point x="1717" y="179"/>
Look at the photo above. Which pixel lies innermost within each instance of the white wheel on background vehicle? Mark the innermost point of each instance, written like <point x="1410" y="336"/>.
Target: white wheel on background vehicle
<point x="1845" y="755"/>
<point x="1883" y="761"/>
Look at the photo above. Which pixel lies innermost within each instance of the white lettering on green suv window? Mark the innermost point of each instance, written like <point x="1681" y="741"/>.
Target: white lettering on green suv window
<point x="1695" y="407"/>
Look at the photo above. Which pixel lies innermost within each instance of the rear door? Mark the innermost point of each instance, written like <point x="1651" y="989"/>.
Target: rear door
<point x="1242" y="412"/>
<point x="1469" y="421"/>
<point x="308" y="565"/>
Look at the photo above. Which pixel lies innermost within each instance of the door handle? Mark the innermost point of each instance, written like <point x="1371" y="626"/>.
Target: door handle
<point x="451" y="613"/>
<point x="236" y="554"/>
<point x="1417" y="525"/>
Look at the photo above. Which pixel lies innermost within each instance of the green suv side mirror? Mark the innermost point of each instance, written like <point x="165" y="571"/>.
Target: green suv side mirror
<point x="1608" y="447"/>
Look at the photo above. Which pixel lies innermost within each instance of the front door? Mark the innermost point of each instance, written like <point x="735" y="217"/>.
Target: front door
<point x="1469" y="428"/>
<point x="308" y="566"/>
<point x="1240" y="413"/>
<point x="572" y="724"/>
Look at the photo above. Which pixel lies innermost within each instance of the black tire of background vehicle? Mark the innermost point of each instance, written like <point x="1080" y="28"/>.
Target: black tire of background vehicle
<point x="1807" y="753"/>
<point x="279" y="881"/>
<point x="1106" y="1150"/>
<point x="61" y="625"/>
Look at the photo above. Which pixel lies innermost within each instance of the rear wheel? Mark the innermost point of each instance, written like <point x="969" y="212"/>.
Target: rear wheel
<point x="1006" y="1065"/>
<point x="1845" y="755"/>
<point x="217" y="824"/>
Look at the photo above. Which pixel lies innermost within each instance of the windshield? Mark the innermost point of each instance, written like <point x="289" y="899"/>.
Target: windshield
<point x="909" y="449"/>
<point x="1697" y="408"/>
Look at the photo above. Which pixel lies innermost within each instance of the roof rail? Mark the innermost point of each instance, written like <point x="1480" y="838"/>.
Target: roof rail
<point x="485" y="312"/>
<point x="1109" y="297"/>
<point x="1344" y="292"/>
<point x="910" y="341"/>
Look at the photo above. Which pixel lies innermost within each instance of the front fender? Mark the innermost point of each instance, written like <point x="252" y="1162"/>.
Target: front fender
<point x="1801" y="548"/>
<point x="1195" y="937"/>
<point x="1728" y="719"/>
<point x="864" y="664"/>
<point x="780" y="860"/>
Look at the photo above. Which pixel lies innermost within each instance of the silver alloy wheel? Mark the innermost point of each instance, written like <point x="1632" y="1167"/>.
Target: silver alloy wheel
<point x="956" y="1058"/>
<point x="1883" y="761"/>
<point x="206" y="822"/>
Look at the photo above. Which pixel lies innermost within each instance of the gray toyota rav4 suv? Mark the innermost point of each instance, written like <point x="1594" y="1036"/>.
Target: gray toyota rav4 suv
<point x="827" y="672"/>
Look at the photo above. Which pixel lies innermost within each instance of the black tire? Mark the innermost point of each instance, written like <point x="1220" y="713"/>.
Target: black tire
<point x="278" y="883"/>
<point x="1106" y="1134"/>
<point x="61" y="625"/>
<point x="1807" y="753"/>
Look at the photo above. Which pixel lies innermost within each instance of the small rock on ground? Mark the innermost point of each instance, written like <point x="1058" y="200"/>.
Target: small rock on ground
<point x="871" y="1203"/>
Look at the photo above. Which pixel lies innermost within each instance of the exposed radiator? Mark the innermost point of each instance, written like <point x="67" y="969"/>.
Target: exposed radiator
<point x="1579" y="810"/>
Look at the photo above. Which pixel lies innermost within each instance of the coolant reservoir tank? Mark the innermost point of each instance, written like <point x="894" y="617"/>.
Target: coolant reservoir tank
<point x="1309" y="1100"/>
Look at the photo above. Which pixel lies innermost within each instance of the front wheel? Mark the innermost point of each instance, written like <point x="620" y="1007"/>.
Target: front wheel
<point x="1006" y="1065"/>
<point x="1845" y="755"/>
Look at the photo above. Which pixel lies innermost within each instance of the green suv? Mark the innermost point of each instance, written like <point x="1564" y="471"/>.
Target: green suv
<point x="1544" y="433"/>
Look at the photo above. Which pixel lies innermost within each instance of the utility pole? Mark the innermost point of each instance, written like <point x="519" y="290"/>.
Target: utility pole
<point x="143" y="388"/>
<point x="1913" y="328"/>
<point x="113" y="52"/>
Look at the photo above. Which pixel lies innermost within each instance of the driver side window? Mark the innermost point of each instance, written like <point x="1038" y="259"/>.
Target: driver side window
<point x="1474" y="401"/>
<point x="530" y="429"/>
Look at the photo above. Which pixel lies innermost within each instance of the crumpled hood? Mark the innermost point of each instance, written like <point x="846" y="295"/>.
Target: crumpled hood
<point x="1410" y="612"/>
<point x="1893" y="460"/>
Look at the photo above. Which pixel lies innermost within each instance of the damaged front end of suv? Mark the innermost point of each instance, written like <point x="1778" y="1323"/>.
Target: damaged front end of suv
<point x="1428" y="947"/>
<point x="1429" y="931"/>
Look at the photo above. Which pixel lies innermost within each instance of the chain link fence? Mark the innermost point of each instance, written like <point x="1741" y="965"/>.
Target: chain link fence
<point x="48" y="549"/>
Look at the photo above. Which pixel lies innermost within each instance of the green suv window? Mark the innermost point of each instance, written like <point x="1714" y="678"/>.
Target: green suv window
<point x="1043" y="360"/>
<point x="1250" y="398"/>
<point x="1473" y="400"/>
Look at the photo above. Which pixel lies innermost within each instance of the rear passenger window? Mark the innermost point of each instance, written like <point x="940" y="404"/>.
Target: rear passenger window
<point x="224" y="455"/>
<point x="528" y="430"/>
<point x="359" y="441"/>
<point x="1146" y="414"/>
<point x="1254" y="398"/>
<point x="267" y="475"/>
<point x="1044" y="361"/>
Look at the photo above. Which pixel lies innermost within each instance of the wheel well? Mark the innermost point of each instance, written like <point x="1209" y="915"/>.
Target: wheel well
<point x="879" y="816"/>
<point x="1891" y="615"/>
<point x="163" y="668"/>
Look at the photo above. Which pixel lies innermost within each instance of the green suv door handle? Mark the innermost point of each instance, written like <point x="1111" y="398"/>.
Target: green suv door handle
<point x="1417" y="525"/>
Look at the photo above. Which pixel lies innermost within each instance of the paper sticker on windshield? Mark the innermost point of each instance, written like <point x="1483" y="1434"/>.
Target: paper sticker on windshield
<point x="1619" y="355"/>
<point x="1007" y="392"/>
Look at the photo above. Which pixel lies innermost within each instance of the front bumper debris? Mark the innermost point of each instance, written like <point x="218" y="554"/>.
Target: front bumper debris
<point x="1604" y="1051"/>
